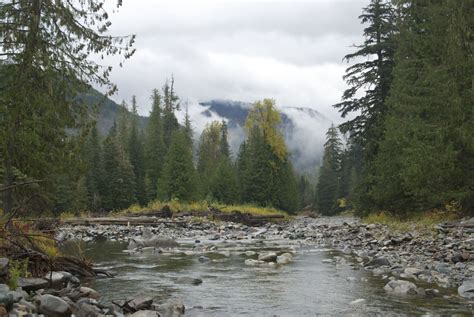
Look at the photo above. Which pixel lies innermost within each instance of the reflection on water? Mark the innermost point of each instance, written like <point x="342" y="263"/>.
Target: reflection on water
<point x="306" y="286"/>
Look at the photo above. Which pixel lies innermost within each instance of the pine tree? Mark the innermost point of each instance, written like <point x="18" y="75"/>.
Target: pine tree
<point x="326" y="189"/>
<point x="155" y="147"/>
<point x="179" y="178"/>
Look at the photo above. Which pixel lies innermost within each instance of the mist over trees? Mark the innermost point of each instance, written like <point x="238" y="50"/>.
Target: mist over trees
<point x="411" y="143"/>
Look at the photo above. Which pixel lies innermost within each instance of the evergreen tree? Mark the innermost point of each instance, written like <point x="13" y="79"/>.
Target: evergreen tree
<point x="188" y="129"/>
<point x="47" y="63"/>
<point x="155" y="147"/>
<point x="178" y="179"/>
<point x="428" y="162"/>
<point x="136" y="155"/>
<point x="94" y="175"/>
<point x="326" y="189"/>
<point x="119" y="177"/>
<point x="170" y="105"/>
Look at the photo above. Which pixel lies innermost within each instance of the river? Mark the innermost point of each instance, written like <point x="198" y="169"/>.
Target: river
<point x="317" y="282"/>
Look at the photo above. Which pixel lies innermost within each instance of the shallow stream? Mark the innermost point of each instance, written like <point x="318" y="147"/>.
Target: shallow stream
<point x="317" y="281"/>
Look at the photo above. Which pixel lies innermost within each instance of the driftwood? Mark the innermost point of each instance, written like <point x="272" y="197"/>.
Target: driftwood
<point x="154" y="217"/>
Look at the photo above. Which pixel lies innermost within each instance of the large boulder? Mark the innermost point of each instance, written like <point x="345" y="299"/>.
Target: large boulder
<point x="30" y="284"/>
<point x="400" y="287"/>
<point x="466" y="289"/>
<point x="53" y="306"/>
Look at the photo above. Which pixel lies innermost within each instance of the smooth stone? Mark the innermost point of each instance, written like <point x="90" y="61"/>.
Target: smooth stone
<point x="284" y="258"/>
<point x="252" y="262"/>
<point x="381" y="261"/>
<point x="412" y="271"/>
<point x="6" y="300"/>
<point x="250" y="253"/>
<point x="53" y="306"/>
<point x="141" y="302"/>
<point x="203" y="259"/>
<point x="268" y="257"/>
<point x="4" y="288"/>
<point x="57" y="279"/>
<point x="466" y="289"/>
<point x="89" y="292"/>
<point x="30" y="284"/>
<point x="400" y="287"/>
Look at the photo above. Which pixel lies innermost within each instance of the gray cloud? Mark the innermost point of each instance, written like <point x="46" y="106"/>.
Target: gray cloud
<point x="248" y="50"/>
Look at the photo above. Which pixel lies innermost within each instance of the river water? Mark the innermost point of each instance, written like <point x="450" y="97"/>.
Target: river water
<point x="317" y="282"/>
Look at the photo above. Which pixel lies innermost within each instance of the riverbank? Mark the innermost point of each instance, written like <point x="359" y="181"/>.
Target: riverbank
<point x="415" y="264"/>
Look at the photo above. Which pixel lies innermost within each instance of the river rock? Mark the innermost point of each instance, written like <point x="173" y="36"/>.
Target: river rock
<point x="252" y="262"/>
<point x="378" y="262"/>
<point x="53" y="306"/>
<point x="400" y="287"/>
<point x="172" y="309"/>
<point x="268" y="257"/>
<point x="6" y="300"/>
<point x="89" y="292"/>
<point x="141" y="303"/>
<point x="189" y="280"/>
<point x="284" y="258"/>
<point x="4" y="288"/>
<point x="146" y="313"/>
<point x="58" y="279"/>
<point x="30" y="284"/>
<point x="466" y="289"/>
<point x="4" y="266"/>
<point x="412" y="271"/>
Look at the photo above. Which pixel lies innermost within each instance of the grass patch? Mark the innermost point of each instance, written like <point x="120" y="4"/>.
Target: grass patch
<point x="202" y="205"/>
<point x="422" y="221"/>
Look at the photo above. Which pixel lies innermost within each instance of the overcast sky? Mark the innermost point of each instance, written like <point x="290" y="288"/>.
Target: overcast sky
<point x="240" y="50"/>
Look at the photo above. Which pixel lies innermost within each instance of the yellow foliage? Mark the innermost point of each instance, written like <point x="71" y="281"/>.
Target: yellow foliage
<point x="266" y="118"/>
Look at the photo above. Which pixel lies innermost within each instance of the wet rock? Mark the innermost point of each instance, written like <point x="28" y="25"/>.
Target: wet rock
<point x="268" y="257"/>
<point x="172" y="309"/>
<point x="400" y="287"/>
<point x="189" y="280"/>
<point x="4" y="266"/>
<point x="381" y="261"/>
<point x="141" y="303"/>
<point x="284" y="258"/>
<point x="30" y="284"/>
<point x="57" y="279"/>
<point x="89" y="292"/>
<point x="466" y="289"/>
<point x="252" y="262"/>
<point x="203" y="259"/>
<point x="53" y="306"/>
<point x="6" y="300"/>
<point x="412" y="271"/>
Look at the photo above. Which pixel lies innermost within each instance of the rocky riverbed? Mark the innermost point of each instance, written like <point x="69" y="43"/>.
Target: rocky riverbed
<point x="425" y="266"/>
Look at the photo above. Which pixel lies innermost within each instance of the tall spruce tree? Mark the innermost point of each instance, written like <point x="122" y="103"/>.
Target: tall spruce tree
<point x="94" y="174"/>
<point x="326" y="189"/>
<point x="44" y="63"/>
<point x="170" y="105"/>
<point x="428" y="163"/>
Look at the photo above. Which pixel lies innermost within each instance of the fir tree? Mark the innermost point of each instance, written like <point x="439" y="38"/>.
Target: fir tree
<point x="154" y="147"/>
<point x="326" y="189"/>
<point x="178" y="179"/>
